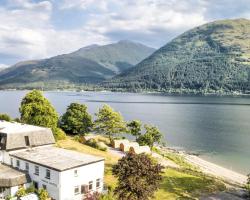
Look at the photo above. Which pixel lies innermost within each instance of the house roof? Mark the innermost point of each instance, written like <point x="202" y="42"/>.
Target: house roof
<point x="12" y="135"/>
<point x="10" y="177"/>
<point x="56" y="158"/>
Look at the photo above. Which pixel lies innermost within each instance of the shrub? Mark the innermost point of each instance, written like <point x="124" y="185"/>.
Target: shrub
<point x="248" y="184"/>
<point x="21" y="192"/>
<point x="43" y="194"/>
<point x="93" y="143"/>
<point x="31" y="189"/>
<point x="5" y="117"/>
<point x="59" y="134"/>
<point x="79" y="138"/>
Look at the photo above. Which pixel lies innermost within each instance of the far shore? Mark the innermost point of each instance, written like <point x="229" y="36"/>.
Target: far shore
<point x="210" y="168"/>
<point x="171" y="93"/>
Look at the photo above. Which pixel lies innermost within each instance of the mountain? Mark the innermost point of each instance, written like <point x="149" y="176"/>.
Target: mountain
<point x="91" y="64"/>
<point x="214" y="57"/>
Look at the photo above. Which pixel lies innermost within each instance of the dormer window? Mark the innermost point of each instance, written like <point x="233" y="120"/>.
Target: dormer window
<point x="17" y="163"/>
<point x="27" y="141"/>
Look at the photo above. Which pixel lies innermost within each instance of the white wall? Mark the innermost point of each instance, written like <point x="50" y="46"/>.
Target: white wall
<point x="85" y="174"/>
<point x="52" y="184"/>
<point x="61" y="185"/>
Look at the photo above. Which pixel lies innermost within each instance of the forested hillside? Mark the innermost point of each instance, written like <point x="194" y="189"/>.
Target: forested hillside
<point x="214" y="57"/>
<point x="88" y="65"/>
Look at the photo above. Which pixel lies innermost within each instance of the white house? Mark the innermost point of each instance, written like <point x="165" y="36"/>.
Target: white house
<point x="28" y="156"/>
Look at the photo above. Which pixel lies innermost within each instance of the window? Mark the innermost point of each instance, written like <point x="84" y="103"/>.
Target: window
<point x="76" y="172"/>
<point x="45" y="187"/>
<point x="47" y="174"/>
<point x="11" y="161"/>
<point x="35" y="184"/>
<point x="84" y="189"/>
<point x="90" y="185"/>
<point x="27" y="166"/>
<point x="36" y="170"/>
<point x="98" y="183"/>
<point x="76" y="190"/>
<point x="17" y="163"/>
<point x="27" y="141"/>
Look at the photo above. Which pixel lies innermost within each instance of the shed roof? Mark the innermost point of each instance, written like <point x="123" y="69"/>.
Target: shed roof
<point x="56" y="158"/>
<point x="16" y="128"/>
<point x="12" y="135"/>
<point x="10" y="177"/>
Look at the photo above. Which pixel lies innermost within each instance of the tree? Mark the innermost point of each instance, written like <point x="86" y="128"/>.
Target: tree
<point x="138" y="177"/>
<point x="134" y="127"/>
<point x="76" y="120"/>
<point x="109" y="122"/>
<point x="151" y="136"/>
<point x="37" y="110"/>
<point x="5" y="117"/>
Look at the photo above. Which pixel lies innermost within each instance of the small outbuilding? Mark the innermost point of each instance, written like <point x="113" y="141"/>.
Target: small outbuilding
<point x="126" y="146"/>
<point x="116" y="143"/>
<point x="139" y="149"/>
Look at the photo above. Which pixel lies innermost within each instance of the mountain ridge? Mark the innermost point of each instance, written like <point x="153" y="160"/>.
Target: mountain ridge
<point x="207" y="58"/>
<point x="88" y="65"/>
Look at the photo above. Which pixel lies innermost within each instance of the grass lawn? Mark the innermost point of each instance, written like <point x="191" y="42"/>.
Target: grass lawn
<point x="177" y="183"/>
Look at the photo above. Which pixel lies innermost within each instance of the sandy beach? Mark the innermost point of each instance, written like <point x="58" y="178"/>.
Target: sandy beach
<point x="216" y="170"/>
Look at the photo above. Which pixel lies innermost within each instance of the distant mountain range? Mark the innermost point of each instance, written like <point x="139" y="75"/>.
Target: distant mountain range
<point x="88" y="65"/>
<point x="214" y="57"/>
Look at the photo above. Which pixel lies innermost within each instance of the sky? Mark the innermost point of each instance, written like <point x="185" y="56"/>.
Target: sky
<point x="36" y="29"/>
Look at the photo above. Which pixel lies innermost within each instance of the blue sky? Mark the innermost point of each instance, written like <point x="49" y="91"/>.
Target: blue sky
<point x="35" y="29"/>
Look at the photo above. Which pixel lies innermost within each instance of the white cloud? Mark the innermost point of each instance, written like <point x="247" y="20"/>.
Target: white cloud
<point x="3" y="66"/>
<point x="84" y="4"/>
<point x="27" y="32"/>
<point x="27" y="29"/>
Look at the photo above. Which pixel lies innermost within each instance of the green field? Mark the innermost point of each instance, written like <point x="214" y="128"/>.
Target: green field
<point x="182" y="183"/>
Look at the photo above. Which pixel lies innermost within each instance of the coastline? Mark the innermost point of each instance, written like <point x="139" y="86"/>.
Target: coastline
<point x="211" y="168"/>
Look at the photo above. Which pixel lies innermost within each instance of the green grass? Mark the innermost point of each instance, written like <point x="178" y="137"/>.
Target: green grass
<point x="178" y="184"/>
<point x="184" y="183"/>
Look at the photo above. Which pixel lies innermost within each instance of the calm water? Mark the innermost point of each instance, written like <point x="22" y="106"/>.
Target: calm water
<point x="216" y="127"/>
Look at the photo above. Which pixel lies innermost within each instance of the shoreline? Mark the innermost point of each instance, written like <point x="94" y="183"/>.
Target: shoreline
<point x="211" y="168"/>
<point x="170" y="93"/>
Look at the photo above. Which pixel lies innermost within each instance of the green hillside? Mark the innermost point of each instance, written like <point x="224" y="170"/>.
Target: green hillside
<point x="88" y="65"/>
<point x="214" y="57"/>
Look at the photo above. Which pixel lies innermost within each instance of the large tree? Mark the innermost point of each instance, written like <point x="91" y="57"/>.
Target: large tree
<point x="76" y="120"/>
<point x="138" y="177"/>
<point x="134" y="128"/>
<point x="37" y="110"/>
<point x="109" y="122"/>
<point x="151" y="136"/>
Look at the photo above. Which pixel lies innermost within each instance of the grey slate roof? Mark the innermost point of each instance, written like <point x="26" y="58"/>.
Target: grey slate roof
<point x="11" y="177"/>
<point x="56" y="158"/>
<point x="12" y="135"/>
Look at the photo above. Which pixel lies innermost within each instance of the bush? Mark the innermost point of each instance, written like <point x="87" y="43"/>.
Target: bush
<point x="21" y="192"/>
<point x="59" y="134"/>
<point x="248" y="184"/>
<point x="5" y="117"/>
<point x="93" y="143"/>
<point x="43" y="194"/>
<point x="31" y="189"/>
<point x="79" y="138"/>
